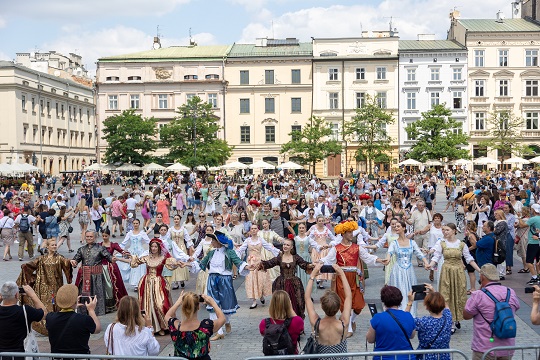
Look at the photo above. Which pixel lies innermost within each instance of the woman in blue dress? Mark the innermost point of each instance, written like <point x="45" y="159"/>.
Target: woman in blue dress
<point x="402" y="273"/>
<point x="134" y="241"/>
<point x="304" y="244"/>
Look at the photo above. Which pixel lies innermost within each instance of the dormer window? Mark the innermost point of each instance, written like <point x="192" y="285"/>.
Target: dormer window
<point x="212" y="77"/>
<point x="191" y="77"/>
<point x="113" y="78"/>
<point x="134" y="78"/>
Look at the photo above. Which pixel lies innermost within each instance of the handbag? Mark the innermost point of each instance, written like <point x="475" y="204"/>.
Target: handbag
<point x="110" y="342"/>
<point x="311" y="342"/>
<point x="30" y="342"/>
<point x="70" y="229"/>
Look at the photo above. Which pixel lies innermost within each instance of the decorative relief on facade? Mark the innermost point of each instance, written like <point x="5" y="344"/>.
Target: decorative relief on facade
<point x="162" y="74"/>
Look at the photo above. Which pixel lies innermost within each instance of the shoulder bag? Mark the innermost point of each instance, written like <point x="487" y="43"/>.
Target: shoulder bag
<point x="311" y="342"/>
<point x="30" y="342"/>
<point x="436" y="337"/>
<point x="401" y="327"/>
<point x="111" y="339"/>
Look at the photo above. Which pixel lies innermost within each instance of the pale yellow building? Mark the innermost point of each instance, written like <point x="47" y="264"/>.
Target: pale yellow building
<point x="268" y="97"/>
<point x="345" y="70"/>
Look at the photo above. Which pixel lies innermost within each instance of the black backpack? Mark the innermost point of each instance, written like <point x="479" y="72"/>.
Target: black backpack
<point x="277" y="340"/>
<point x="499" y="252"/>
<point x="24" y="224"/>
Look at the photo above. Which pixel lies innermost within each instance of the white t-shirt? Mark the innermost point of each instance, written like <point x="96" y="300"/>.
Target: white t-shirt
<point x="131" y="203"/>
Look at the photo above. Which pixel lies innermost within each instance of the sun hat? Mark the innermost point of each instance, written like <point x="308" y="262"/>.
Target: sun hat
<point x="490" y="272"/>
<point x="67" y="296"/>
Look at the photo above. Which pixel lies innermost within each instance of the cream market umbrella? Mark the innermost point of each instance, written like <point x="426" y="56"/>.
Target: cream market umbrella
<point x="178" y="167"/>
<point x="201" y="168"/>
<point x="214" y="168"/>
<point x="410" y="162"/>
<point x="262" y="165"/>
<point x="95" y="167"/>
<point x="289" y="165"/>
<point x="535" y="159"/>
<point x="236" y="165"/>
<point x="433" y="163"/>
<point x="128" y="167"/>
<point x="485" y="161"/>
<point x="461" y="162"/>
<point x="516" y="160"/>
<point x="29" y="167"/>
<point x="153" y="167"/>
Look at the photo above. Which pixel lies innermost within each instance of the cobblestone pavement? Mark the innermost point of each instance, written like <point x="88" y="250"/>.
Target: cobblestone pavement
<point x="245" y="339"/>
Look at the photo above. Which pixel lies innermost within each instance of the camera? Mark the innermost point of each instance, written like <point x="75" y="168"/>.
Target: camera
<point x="325" y="269"/>
<point x="419" y="292"/>
<point x="201" y="299"/>
<point x="21" y="290"/>
<point x="84" y="299"/>
<point x="529" y="290"/>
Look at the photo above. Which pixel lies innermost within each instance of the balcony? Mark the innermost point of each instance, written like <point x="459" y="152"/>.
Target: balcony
<point x="530" y="99"/>
<point x="503" y="99"/>
<point x="479" y="99"/>
<point x="530" y="133"/>
<point x="479" y="133"/>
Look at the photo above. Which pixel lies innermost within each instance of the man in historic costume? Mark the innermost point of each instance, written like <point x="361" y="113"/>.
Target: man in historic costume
<point x="90" y="279"/>
<point x="349" y="256"/>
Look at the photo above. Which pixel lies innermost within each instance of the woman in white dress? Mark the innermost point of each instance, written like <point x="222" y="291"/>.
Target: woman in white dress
<point x="135" y="241"/>
<point x="435" y="235"/>
<point x="482" y="208"/>
<point x="270" y="237"/>
<point x="200" y="252"/>
<point x="180" y="236"/>
<point x="190" y="225"/>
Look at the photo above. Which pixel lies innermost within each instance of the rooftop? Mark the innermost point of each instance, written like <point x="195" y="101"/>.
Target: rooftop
<point x="492" y="25"/>
<point x="197" y="53"/>
<point x="429" y="45"/>
<point x="252" y="50"/>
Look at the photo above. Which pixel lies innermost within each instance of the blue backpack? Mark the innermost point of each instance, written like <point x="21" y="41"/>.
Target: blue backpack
<point x="504" y="324"/>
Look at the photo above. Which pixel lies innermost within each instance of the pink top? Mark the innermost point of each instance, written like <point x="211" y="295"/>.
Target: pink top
<point x="116" y="206"/>
<point x="295" y="329"/>
<point x="481" y="303"/>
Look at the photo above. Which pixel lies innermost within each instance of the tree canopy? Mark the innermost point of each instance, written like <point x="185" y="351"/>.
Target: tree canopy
<point x="503" y="130"/>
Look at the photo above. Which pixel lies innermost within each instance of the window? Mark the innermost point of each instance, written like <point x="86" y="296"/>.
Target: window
<point x="23" y="102"/>
<point x="480" y="123"/>
<point x="503" y="57"/>
<point x="295" y="76"/>
<point x="163" y="101"/>
<point x="191" y="77"/>
<point x="190" y="96"/>
<point x="531" y="88"/>
<point x="88" y="116"/>
<point x="334" y="100"/>
<point x="212" y="100"/>
<point x="435" y="74"/>
<point x="34" y="105"/>
<point x="245" y="134"/>
<point x="112" y="78"/>
<point x="296" y="131"/>
<point x="381" y="73"/>
<point x="360" y="99"/>
<point x="503" y="88"/>
<point x="268" y="77"/>
<point x="244" y="77"/>
<point x="269" y="105"/>
<point x="212" y="77"/>
<point x="459" y="128"/>
<point x="333" y="74"/>
<point x="503" y="120"/>
<point x="435" y="99"/>
<point x="244" y="106"/>
<point x="109" y="105"/>
<point x="411" y="101"/>
<point x="113" y="103"/>
<point x="57" y="112"/>
<point x="457" y="99"/>
<point x="48" y="108"/>
<point x="134" y="78"/>
<point x="296" y="105"/>
<point x="69" y="113"/>
<point x="134" y="102"/>
<point x="270" y="134"/>
<point x="411" y="74"/>
<point x="41" y="107"/>
<point x="360" y="74"/>
<point x="80" y="114"/>
<point x="381" y="99"/>
<point x="479" y="58"/>
<point x="335" y="131"/>
<point x="531" y="120"/>
<point x="531" y="57"/>
<point x="457" y="74"/>
<point x="479" y="87"/>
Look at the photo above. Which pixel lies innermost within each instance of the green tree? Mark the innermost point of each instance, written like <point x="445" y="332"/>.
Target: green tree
<point x="130" y="138"/>
<point x="437" y="136"/>
<point x="312" y="144"/>
<point x="368" y="128"/>
<point x="503" y="130"/>
<point x="191" y="137"/>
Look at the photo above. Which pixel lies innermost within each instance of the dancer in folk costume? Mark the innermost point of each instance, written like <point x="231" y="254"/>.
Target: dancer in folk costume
<point x="134" y="241"/>
<point x="349" y="257"/>
<point x="304" y="246"/>
<point x="114" y="284"/>
<point x="323" y="236"/>
<point x="202" y="249"/>
<point x="372" y="216"/>
<point x="273" y="238"/>
<point x="180" y="236"/>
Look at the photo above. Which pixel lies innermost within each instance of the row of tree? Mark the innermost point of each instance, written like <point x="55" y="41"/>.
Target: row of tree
<point x="192" y="137"/>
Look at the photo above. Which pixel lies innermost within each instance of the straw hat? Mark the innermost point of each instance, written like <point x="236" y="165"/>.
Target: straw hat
<point x="67" y="296"/>
<point x="490" y="272"/>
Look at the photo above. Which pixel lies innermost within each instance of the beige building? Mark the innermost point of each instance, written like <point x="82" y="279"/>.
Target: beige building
<point x="503" y="75"/>
<point x="156" y="82"/>
<point x="345" y="70"/>
<point x="48" y="115"/>
<point x="268" y="97"/>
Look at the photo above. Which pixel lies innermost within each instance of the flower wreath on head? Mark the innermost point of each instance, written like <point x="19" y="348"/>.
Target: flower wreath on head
<point x="345" y="226"/>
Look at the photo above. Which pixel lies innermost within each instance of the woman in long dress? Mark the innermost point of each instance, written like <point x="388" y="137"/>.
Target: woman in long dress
<point x="200" y="252"/>
<point x="257" y="283"/>
<point x="154" y="291"/>
<point x="435" y="235"/>
<point x="322" y="236"/>
<point x="134" y="241"/>
<point x="402" y="273"/>
<point x="45" y="275"/>
<point x="162" y="207"/>
<point x="180" y="236"/>
<point x="304" y="246"/>
<point x="114" y="284"/>
<point x="270" y="237"/>
<point x="453" y="283"/>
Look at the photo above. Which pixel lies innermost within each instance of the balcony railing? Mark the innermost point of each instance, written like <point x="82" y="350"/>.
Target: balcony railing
<point x="530" y="133"/>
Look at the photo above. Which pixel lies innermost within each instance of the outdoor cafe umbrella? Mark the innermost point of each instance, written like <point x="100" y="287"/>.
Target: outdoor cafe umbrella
<point x="516" y="160"/>
<point x="535" y="159"/>
<point x="178" y="167"/>
<point x="290" y="166"/>
<point x="128" y="167"/>
<point x="410" y="162"/>
<point x="153" y="167"/>
<point x="236" y="165"/>
<point x="262" y="165"/>
<point x="485" y="161"/>
<point x="461" y="162"/>
<point x="434" y="163"/>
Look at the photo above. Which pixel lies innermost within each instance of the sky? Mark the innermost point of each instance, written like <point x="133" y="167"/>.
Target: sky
<point x="100" y="28"/>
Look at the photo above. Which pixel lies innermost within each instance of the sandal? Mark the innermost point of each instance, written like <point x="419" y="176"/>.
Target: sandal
<point x="508" y="272"/>
<point x="523" y="271"/>
<point x="234" y="277"/>
<point x="469" y="292"/>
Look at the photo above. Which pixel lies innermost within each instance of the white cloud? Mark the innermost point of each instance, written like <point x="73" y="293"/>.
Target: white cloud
<point x="412" y="17"/>
<point x="250" y="5"/>
<point x="4" y="56"/>
<point x="2" y="22"/>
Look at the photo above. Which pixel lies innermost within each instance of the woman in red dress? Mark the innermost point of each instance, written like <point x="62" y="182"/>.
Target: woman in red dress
<point x="115" y="289"/>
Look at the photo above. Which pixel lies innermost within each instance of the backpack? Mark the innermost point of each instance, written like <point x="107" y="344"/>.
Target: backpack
<point x="24" y="224"/>
<point x="499" y="252"/>
<point x="504" y="324"/>
<point x="277" y="340"/>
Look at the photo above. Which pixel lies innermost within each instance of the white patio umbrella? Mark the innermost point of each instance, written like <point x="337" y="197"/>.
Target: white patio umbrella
<point x="410" y="162"/>
<point x="262" y="165"/>
<point x="153" y="167"/>
<point x="128" y="167"/>
<point x="535" y="159"/>
<point x="236" y="165"/>
<point x="485" y="161"/>
<point x="516" y="160"/>
<point x="95" y="167"/>
<point x="5" y="168"/>
<point x="214" y="168"/>
<point x="30" y="167"/>
<point x="434" y="163"/>
<point x="289" y="165"/>
<point x="178" y="167"/>
<point x="461" y="162"/>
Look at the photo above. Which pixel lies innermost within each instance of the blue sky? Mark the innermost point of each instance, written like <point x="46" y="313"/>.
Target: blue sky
<point x="99" y="28"/>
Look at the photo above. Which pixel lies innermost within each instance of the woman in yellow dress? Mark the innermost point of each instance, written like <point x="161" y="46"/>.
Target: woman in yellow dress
<point x="180" y="235"/>
<point x="200" y="252"/>
<point x="45" y="275"/>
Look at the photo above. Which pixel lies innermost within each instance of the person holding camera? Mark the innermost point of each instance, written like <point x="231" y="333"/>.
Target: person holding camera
<point x="16" y="320"/>
<point x="191" y="337"/>
<point x="132" y="332"/>
<point x="69" y="331"/>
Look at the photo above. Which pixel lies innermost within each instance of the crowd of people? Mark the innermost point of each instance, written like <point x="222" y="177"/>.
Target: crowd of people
<point x="288" y="235"/>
